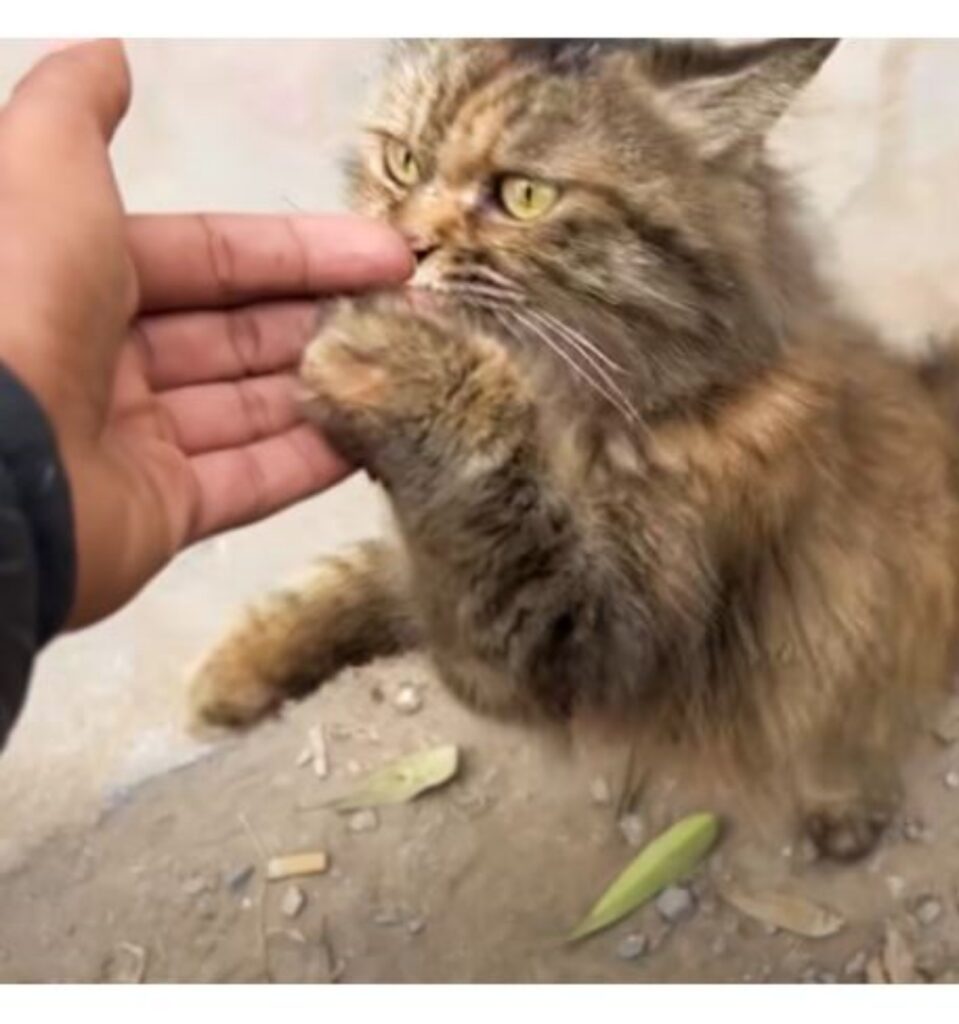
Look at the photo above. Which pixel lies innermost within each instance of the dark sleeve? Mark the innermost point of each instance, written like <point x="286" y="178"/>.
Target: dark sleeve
<point x="37" y="560"/>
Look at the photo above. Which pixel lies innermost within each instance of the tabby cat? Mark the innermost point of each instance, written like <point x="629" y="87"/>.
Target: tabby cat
<point x="641" y="465"/>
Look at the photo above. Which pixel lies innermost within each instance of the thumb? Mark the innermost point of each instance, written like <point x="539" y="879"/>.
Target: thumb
<point x="85" y="79"/>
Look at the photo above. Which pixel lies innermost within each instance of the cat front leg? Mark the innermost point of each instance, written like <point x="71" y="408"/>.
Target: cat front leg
<point x="521" y="610"/>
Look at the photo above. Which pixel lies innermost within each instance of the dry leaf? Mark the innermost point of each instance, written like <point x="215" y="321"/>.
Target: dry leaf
<point x="666" y="860"/>
<point x="782" y="910"/>
<point x="293" y="865"/>
<point x="402" y="780"/>
<point x="897" y="958"/>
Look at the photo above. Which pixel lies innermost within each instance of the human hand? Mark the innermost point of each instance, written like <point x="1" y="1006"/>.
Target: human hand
<point x="160" y="346"/>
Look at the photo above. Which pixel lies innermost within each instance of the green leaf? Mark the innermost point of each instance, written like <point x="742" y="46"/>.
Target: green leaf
<point x="402" y="780"/>
<point x="667" y="859"/>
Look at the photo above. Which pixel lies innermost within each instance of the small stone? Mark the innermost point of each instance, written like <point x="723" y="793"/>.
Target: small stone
<point x="238" y="878"/>
<point x="294" y="900"/>
<point x="304" y="757"/>
<point x="246" y="903"/>
<point x="632" y="946"/>
<point x="896" y="885"/>
<point x="855" y="966"/>
<point x="407" y="700"/>
<point x="928" y="911"/>
<point x="363" y="821"/>
<point x="786" y="852"/>
<point x="914" y="831"/>
<point x="770" y="929"/>
<point x="633" y="829"/>
<point x="415" y="925"/>
<point x="599" y="791"/>
<point x="196" y="884"/>
<point x="952" y="780"/>
<point x="675" y="904"/>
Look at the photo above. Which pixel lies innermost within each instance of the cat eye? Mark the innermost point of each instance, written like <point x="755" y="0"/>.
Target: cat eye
<point x="400" y="163"/>
<point x="526" y="198"/>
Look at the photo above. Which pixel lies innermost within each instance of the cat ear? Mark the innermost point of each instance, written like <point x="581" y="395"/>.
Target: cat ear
<point x="731" y="96"/>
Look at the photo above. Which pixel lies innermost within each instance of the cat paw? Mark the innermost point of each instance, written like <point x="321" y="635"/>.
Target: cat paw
<point x="846" y="833"/>
<point x="380" y="373"/>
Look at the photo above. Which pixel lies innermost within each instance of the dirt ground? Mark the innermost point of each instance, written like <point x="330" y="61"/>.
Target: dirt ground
<point x="477" y="881"/>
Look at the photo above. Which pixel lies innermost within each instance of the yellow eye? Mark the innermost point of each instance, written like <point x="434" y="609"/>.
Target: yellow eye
<point x="400" y="163"/>
<point x="526" y="198"/>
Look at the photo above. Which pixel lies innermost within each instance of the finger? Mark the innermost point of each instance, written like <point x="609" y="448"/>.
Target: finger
<point x="227" y="415"/>
<point x="89" y="79"/>
<point x="242" y="485"/>
<point x="193" y="348"/>
<point x="189" y="261"/>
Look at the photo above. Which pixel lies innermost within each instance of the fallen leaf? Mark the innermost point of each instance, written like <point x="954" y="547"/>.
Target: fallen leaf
<point x="293" y="865"/>
<point x="667" y="859"/>
<point x="897" y="958"/>
<point x="402" y="780"/>
<point x="782" y="910"/>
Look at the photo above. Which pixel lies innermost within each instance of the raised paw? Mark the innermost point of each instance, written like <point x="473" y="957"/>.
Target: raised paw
<point x="380" y="373"/>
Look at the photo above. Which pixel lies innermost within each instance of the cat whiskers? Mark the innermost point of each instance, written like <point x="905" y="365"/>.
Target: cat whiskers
<point x="593" y="374"/>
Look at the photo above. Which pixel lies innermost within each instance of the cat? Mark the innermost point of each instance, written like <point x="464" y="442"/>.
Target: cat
<point x="642" y="466"/>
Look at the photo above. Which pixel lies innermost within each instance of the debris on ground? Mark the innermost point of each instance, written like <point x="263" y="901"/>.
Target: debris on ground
<point x="896" y="885"/>
<point x="632" y="946"/>
<point x="294" y="900"/>
<point x="408" y="700"/>
<point x="599" y="791"/>
<point x="196" y="884"/>
<point x="363" y="821"/>
<point x="952" y="780"/>
<point x="928" y="910"/>
<point x="783" y="910"/>
<point x="317" y="742"/>
<point x="675" y="904"/>
<point x="295" y="865"/>
<point x="237" y="879"/>
<point x="633" y="829"/>
<point x="670" y="857"/>
<point x="946" y="730"/>
<point x="126" y="965"/>
<point x="415" y="925"/>
<point x="895" y="964"/>
<point x="402" y="780"/>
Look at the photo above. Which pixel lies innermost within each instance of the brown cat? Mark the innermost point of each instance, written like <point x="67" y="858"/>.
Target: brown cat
<point x="641" y="467"/>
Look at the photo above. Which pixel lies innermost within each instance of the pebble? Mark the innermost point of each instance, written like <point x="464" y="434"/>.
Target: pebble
<point x="195" y="885"/>
<point x="239" y="877"/>
<point x="952" y="780"/>
<point x="928" y="911"/>
<point x="915" y="831"/>
<point x="856" y="965"/>
<point x="896" y="885"/>
<point x="294" y="900"/>
<point x="599" y="791"/>
<point x="675" y="904"/>
<point x="408" y="700"/>
<point x="633" y="829"/>
<point x="363" y="821"/>
<point x="632" y="946"/>
<point x="415" y="925"/>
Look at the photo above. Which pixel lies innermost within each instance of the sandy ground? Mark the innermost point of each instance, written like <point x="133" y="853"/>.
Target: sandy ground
<point x="118" y="828"/>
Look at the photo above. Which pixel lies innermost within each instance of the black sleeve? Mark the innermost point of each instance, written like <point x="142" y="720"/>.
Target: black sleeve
<point x="37" y="559"/>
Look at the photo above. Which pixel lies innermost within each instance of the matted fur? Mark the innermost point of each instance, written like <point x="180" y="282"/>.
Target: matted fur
<point x="642" y="468"/>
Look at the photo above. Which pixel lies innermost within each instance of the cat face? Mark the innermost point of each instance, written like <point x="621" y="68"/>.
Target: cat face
<point x="605" y="192"/>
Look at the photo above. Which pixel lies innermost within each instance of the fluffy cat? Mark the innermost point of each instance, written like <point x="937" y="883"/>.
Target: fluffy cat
<point x="641" y="466"/>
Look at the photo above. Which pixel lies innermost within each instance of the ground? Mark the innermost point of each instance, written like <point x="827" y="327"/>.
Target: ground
<point x="125" y="842"/>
